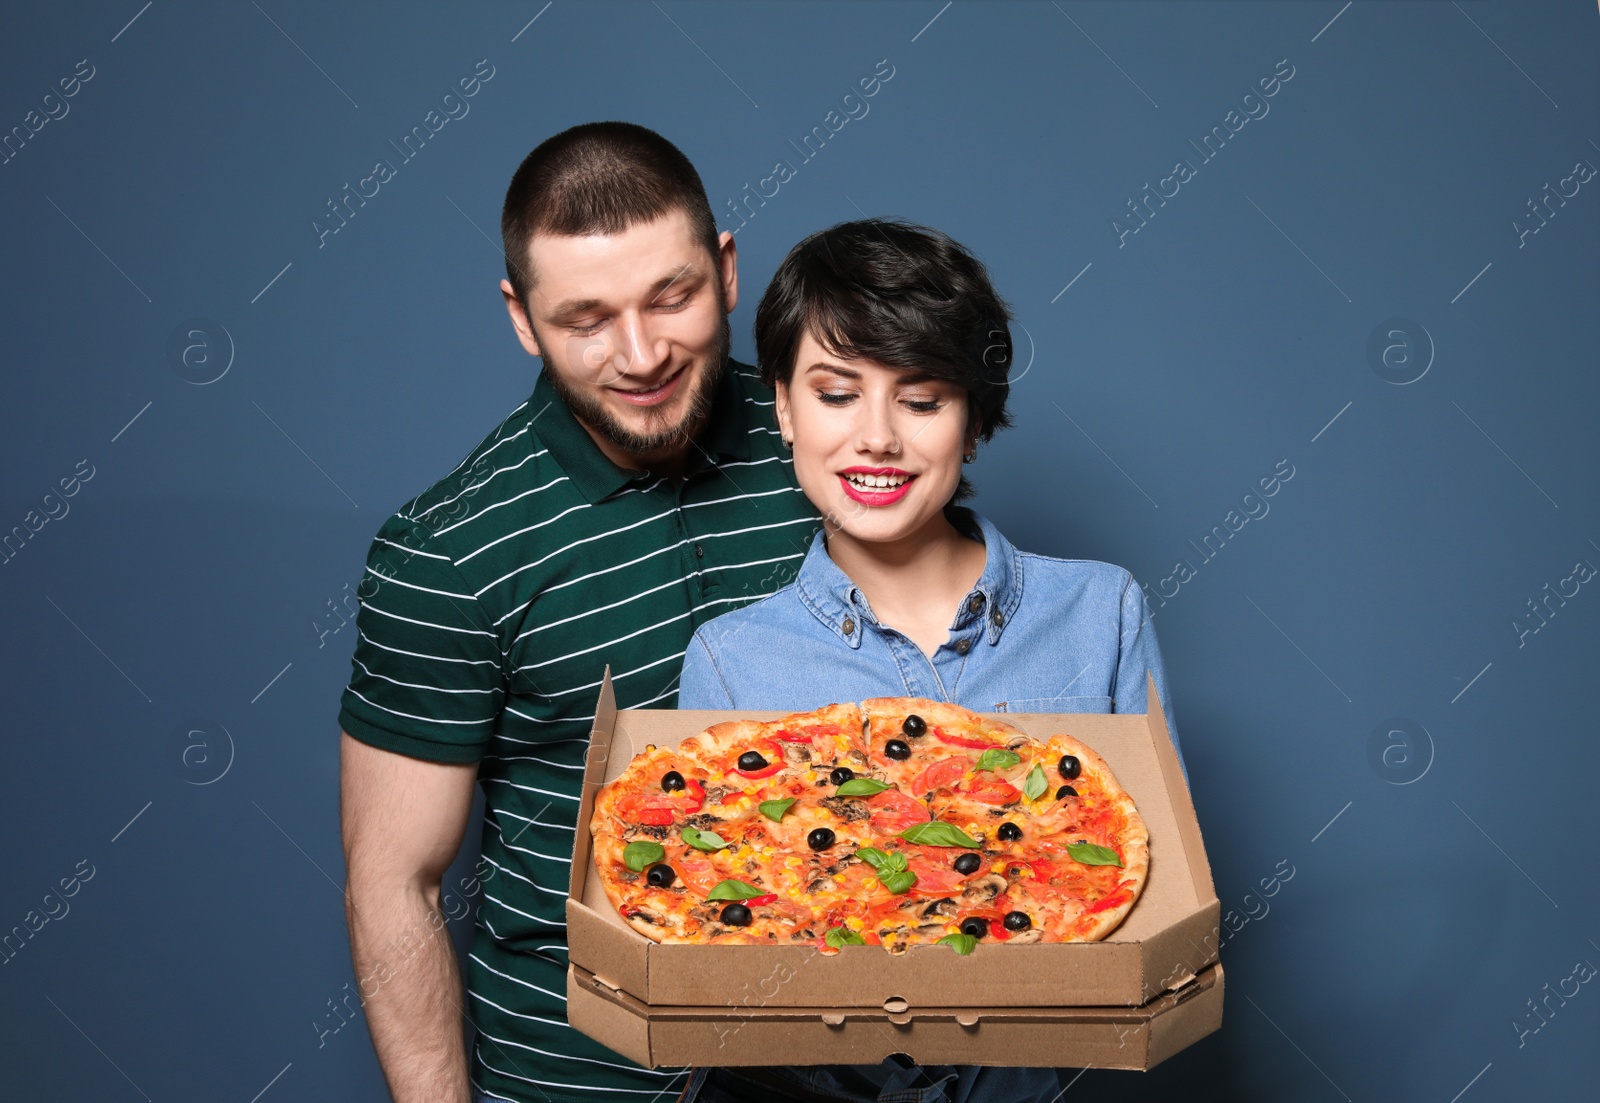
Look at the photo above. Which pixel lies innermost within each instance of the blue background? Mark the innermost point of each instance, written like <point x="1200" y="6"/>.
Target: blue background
<point x="1442" y="877"/>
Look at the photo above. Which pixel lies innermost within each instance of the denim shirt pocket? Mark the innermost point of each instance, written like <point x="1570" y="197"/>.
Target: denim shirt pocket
<point x="1055" y="704"/>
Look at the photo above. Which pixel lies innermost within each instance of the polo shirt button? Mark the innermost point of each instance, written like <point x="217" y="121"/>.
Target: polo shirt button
<point x="963" y="646"/>
<point x="974" y="603"/>
<point x="699" y="551"/>
<point x="848" y="627"/>
<point x="998" y="618"/>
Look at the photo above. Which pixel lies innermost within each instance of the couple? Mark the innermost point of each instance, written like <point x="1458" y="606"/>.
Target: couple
<point x="647" y="486"/>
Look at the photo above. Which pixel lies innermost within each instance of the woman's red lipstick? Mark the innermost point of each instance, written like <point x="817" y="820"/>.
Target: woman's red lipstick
<point x="876" y="495"/>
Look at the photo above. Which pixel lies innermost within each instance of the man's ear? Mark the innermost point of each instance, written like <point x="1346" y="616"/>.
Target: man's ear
<point x="519" y="319"/>
<point x="728" y="266"/>
<point x="785" y="422"/>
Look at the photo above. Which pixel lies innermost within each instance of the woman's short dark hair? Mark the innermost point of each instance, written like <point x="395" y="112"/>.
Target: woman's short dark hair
<point x="598" y="178"/>
<point x="900" y="294"/>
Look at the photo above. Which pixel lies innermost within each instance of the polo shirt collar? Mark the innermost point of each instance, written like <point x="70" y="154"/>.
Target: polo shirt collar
<point x="838" y="602"/>
<point x="726" y="437"/>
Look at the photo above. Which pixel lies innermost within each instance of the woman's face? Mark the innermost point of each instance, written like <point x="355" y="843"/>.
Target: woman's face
<point x="876" y="449"/>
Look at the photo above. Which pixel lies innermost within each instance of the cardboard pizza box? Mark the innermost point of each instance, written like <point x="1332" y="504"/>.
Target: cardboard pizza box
<point x="1152" y="985"/>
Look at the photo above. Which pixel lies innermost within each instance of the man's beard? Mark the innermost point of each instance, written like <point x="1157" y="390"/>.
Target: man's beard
<point x="660" y="437"/>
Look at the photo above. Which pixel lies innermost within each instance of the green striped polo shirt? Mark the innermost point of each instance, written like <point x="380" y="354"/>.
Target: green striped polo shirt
<point x="490" y="607"/>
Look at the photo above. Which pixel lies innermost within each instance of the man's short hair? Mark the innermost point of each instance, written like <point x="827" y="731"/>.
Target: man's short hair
<point x="900" y="294"/>
<point x="598" y="178"/>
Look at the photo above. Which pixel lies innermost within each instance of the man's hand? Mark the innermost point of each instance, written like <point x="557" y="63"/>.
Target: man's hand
<point x="403" y="820"/>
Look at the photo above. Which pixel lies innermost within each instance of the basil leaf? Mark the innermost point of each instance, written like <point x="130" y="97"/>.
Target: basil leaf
<point x="640" y="854"/>
<point x="1092" y="855"/>
<point x="938" y="833"/>
<point x="842" y="936"/>
<point x="862" y="787"/>
<point x="774" y="809"/>
<point x="898" y="880"/>
<point x="703" y="840"/>
<point x="872" y="856"/>
<point x="1033" y="788"/>
<point x="734" y="889"/>
<point x="963" y="943"/>
<point x="997" y="758"/>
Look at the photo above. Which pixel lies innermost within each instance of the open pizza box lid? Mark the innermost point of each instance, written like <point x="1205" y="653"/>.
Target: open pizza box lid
<point x="1165" y="945"/>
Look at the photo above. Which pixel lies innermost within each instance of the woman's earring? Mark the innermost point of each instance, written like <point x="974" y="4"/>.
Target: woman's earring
<point x="970" y="456"/>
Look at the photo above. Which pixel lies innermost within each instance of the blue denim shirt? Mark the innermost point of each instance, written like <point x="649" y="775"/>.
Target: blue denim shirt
<point x="1035" y="634"/>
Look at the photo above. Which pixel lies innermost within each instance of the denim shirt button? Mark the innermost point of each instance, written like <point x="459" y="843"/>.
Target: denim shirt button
<point x="998" y="618"/>
<point x="963" y="646"/>
<point x="848" y="627"/>
<point x="974" y="603"/>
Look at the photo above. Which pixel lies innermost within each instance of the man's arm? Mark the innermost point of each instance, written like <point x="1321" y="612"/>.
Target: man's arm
<point x="403" y="820"/>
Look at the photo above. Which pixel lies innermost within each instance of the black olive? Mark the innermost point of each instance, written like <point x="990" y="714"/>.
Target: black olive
<point x="660" y="875"/>
<point x="841" y="774"/>
<point x="751" y="761"/>
<point x="671" y="781"/>
<point x="1066" y="791"/>
<point x="967" y="863"/>
<point x="914" y="726"/>
<point x="974" y="926"/>
<point x="897" y="748"/>
<point x="820" y="839"/>
<point x="1017" y="921"/>
<point x="737" y="915"/>
<point x="1069" y="766"/>
<point x="1009" y="832"/>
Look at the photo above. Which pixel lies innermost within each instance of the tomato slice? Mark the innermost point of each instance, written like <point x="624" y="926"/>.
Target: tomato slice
<point x="934" y="877"/>
<point x="991" y="790"/>
<point x="961" y="740"/>
<point x="770" y="751"/>
<point x="1120" y="895"/>
<point x="894" y="811"/>
<point x="659" y="808"/>
<point x="941" y="775"/>
<point x="792" y="736"/>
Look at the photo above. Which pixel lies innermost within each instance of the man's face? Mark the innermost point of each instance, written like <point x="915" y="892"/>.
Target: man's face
<point x="633" y="331"/>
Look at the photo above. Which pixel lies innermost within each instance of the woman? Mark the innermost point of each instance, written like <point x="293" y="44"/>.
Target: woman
<point x="888" y="350"/>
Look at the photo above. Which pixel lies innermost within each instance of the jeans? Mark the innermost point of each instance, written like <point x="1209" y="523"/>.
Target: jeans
<point x="897" y="1080"/>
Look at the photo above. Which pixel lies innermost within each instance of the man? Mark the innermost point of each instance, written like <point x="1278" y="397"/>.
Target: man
<point x="640" y="491"/>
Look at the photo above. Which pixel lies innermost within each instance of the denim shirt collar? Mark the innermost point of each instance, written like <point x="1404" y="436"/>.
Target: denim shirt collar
<point x="838" y="602"/>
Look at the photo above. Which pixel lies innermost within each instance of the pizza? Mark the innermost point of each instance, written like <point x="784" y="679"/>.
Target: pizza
<point x="896" y="822"/>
